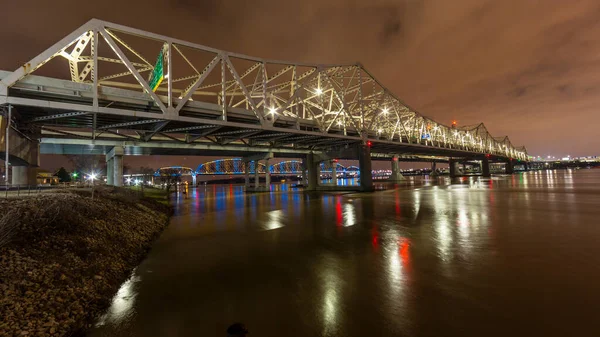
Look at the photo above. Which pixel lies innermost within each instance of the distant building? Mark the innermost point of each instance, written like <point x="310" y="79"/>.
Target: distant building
<point x="46" y="178"/>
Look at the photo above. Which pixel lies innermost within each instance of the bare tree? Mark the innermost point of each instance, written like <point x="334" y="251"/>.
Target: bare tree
<point x="170" y="177"/>
<point x="87" y="164"/>
<point x="146" y="173"/>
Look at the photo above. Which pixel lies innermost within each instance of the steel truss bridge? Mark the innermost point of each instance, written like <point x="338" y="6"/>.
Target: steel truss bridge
<point x="107" y="85"/>
<point x="236" y="166"/>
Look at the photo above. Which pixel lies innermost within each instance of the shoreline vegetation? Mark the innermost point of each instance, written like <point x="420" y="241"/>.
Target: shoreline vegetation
<point x="64" y="255"/>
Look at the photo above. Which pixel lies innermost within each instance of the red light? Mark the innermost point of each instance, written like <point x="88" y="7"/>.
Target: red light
<point x="369" y="143"/>
<point x="395" y="158"/>
<point x="404" y="246"/>
<point x="487" y="155"/>
<point x="338" y="212"/>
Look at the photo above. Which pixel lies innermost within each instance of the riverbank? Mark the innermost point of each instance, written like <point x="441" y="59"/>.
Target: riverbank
<point x="63" y="256"/>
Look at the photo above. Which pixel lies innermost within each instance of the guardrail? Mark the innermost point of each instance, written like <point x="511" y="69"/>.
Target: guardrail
<point x="27" y="190"/>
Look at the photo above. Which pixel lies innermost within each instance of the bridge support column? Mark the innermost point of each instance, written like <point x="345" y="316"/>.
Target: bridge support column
<point x="334" y="172"/>
<point x="303" y="174"/>
<point x="510" y="167"/>
<point x="256" y="177"/>
<point x="312" y="169"/>
<point x="464" y="168"/>
<point x="194" y="179"/>
<point x="118" y="170"/>
<point x="434" y="172"/>
<point x="396" y="175"/>
<point x="23" y="175"/>
<point x="453" y="168"/>
<point x="246" y="174"/>
<point x="364" y="160"/>
<point x="485" y="167"/>
<point x="267" y="175"/>
<point x="256" y="160"/>
<point x="114" y="167"/>
<point x="110" y="166"/>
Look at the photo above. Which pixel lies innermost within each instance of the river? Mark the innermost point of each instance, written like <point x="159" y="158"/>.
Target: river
<point x="509" y="256"/>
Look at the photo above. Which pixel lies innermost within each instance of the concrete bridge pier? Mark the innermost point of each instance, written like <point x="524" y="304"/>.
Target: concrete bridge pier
<point x="256" y="160"/>
<point x="110" y="169"/>
<point x="510" y="167"/>
<point x="114" y="166"/>
<point x="396" y="175"/>
<point x="362" y="152"/>
<point x="365" y="168"/>
<point x="256" y="176"/>
<point x="485" y="167"/>
<point x="434" y="172"/>
<point x="267" y="175"/>
<point x="453" y="163"/>
<point x="334" y="181"/>
<point x="23" y="175"/>
<point x="246" y="174"/>
<point x="19" y="151"/>
<point x="303" y="174"/>
<point x="312" y="169"/>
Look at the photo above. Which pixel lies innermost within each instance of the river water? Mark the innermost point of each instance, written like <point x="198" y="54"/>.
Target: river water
<point x="509" y="256"/>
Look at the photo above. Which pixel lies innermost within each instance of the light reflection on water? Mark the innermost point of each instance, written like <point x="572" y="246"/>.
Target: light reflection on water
<point x="424" y="258"/>
<point x="122" y="306"/>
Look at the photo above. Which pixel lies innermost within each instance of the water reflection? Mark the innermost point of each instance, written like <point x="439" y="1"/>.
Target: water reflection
<point x="122" y="305"/>
<point x="331" y="288"/>
<point x="425" y="257"/>
<point x="274" y="220"/>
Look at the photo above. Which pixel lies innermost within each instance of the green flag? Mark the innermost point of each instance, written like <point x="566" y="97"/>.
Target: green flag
<point x="157" y="75"/>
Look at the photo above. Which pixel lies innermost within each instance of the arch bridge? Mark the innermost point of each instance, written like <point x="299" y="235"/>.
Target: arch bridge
<point x="236" y="166"/>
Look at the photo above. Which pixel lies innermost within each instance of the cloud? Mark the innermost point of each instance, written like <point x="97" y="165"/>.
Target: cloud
<point x="528" y="69"/>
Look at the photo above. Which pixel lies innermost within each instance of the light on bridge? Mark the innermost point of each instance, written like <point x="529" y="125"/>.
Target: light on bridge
<point x="319" y="91"/>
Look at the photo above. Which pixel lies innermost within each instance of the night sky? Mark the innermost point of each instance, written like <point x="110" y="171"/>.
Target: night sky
<point x="528" y="69"/>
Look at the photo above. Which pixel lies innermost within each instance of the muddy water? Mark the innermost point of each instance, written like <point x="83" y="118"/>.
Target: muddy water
<point x="508" y="256"/>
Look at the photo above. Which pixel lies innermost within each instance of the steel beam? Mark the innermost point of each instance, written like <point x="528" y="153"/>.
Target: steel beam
<point x="57" y="116"/>
<point x="132" y="123"/>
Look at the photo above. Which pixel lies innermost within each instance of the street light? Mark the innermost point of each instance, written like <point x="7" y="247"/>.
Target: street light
<point x="92" y="177"/>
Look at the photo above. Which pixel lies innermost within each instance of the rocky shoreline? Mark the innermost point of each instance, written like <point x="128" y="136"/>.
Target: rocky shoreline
<point x="63" y="256"/>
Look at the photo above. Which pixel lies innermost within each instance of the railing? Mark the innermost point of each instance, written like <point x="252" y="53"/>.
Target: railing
<point x="23" y="190"/>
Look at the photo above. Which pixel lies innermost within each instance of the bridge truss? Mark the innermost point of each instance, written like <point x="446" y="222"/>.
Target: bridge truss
<point x="236" y="166"/>
<point x="110" y="83"/>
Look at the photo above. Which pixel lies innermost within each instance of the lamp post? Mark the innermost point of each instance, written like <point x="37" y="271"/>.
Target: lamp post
<point x="92" y="178"/>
